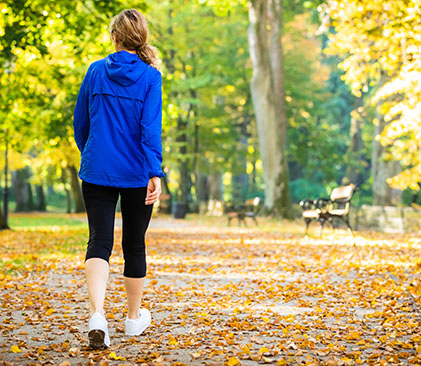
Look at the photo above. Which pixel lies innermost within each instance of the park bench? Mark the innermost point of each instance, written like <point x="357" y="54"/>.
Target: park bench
<point x="327" y="209"/>
<point x="248" y="209"/>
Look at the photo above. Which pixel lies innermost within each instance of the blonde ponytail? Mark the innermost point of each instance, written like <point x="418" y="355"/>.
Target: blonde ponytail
<point x="131" y="30"/>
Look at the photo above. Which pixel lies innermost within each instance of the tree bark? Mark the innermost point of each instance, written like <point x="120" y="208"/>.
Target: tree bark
<point x="267" y="91"/>
<point x="355" y="169"/>
<point x="383" y="194"/>
<point x="240" y="178"/>
<point x="184" y="182"/>
<point x="202" y="187"/>
<point x="68" y="195"/>
<point x="215" y="186"/>
<point x="23" y="192"/>
<point x="3" y="224"/>
<point x="76" y="190"/>
<point x="41" y="204"/>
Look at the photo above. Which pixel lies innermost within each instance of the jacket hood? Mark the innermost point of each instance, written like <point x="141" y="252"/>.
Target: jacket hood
<point x="124" y="68"/>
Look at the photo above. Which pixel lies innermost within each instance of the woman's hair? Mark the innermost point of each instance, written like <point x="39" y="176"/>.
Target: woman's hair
<point x="131" y="30"/>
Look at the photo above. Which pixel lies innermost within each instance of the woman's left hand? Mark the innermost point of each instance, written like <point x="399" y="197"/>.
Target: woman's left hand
<point x="153" y="191"/>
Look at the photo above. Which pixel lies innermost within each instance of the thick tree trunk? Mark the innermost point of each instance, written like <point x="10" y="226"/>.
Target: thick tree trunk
<point x="215" y="186"/>
<point x="76" y="190"/>
<point x="41" y="204"/>
<point x="383" y="194"/>
<point x="3" y="224"/>
<point x="23" y="192"/>
<point x="355" y="169"/>
<point x="267" y="91"/>
<point x="202" y="188"/>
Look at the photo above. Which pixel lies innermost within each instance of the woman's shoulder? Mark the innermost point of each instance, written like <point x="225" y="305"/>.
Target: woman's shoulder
<point x="155" y="75"/>
<point x="95" y="64"/>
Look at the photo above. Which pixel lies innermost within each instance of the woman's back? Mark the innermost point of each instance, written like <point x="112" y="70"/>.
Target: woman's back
<point x="118" y="120"/>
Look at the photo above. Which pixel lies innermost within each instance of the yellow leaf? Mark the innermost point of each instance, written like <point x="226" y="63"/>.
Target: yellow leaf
<point x="196" y="354"/>
<point x="282" y="362"/>
<point x="172" y="341"/>
<point x="114" y="356"/>
<point x="15" y="349"/>
<point x="354" y="335"/>
<point x="49" y="311"/>
<point x="263" y="350"/>
<point x="267" y="359"/>
<point x="233" y="361"/>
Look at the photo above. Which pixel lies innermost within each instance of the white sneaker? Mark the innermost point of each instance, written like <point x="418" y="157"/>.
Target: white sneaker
<point x="137" y="326"/>
<point x="98" y="332"/>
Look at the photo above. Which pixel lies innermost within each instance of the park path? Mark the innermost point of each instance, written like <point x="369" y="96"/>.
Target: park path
<point x="230" y="296"/>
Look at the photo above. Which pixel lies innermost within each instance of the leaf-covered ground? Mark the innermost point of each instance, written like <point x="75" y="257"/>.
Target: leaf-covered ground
<point x="218" y="296"/>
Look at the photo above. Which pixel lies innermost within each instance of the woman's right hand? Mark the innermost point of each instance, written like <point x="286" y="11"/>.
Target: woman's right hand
<point x="153" y="190"/>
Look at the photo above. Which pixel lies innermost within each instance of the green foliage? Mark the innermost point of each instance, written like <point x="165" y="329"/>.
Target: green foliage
<point x="209" y="123"/>
<point x="306" y="189"/>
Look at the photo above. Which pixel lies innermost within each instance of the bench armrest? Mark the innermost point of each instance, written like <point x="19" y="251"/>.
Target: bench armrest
<point x="322" y="203"/>
<point x="307" y="205"/>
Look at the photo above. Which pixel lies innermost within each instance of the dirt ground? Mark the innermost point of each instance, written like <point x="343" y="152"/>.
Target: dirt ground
<point x="223" y="295"/>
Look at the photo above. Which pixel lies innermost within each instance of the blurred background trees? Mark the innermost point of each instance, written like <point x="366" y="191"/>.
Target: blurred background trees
<point x="346" y="106"/>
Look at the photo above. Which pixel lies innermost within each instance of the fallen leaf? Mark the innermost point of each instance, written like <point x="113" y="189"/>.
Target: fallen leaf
<point x="15" y="349"/>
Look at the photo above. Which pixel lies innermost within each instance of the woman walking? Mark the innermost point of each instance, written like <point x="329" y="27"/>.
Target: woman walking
<point x="117" y="126"/>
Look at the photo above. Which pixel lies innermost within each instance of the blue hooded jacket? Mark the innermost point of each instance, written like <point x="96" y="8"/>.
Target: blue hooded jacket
<point x="118" y="120"/>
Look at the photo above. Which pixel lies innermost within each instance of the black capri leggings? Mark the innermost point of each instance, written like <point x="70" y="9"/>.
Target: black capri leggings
<point x="100" y="202"/>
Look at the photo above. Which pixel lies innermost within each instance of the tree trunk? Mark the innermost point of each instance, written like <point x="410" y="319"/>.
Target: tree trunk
<point x="355" y="168"/>
<point x="240" y="179"/>
<point x="383" y="194"/>
<point x="267" y="91"/>
<point x="68" y="196"/>
<point x="215" y="186"/>
<point x="76" y="190"/>
<point x="23" y="192"/>
<point x="202" y="188"/>
<point x="3" y="224"/>
<point x="31" y="204"/>
<point x="184" y="182"/>
<point x="41" y="204"/>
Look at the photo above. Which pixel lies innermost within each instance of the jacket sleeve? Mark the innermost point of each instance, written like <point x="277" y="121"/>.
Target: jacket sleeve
<point x="151" y="125"/>
<point x="81" y="114"/>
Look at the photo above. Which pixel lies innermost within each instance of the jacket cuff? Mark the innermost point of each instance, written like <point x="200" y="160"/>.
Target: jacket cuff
<point x="159" y="174"/>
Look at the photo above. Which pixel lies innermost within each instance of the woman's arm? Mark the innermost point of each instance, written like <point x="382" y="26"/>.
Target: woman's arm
<point x="81" y="114"/>
<point x="151" y="123"/>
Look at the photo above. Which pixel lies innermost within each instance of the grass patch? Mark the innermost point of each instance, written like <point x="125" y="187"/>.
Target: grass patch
<point x="48" y="220"/>
<point x="37" y="238"/>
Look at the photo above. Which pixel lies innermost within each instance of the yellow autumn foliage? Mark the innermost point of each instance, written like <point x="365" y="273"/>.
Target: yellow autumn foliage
<point x="380" y="43"/>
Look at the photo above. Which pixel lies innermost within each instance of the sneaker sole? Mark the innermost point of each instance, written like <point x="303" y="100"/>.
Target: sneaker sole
<point x="96" y="339"/>
<point x="139" y="333"/>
